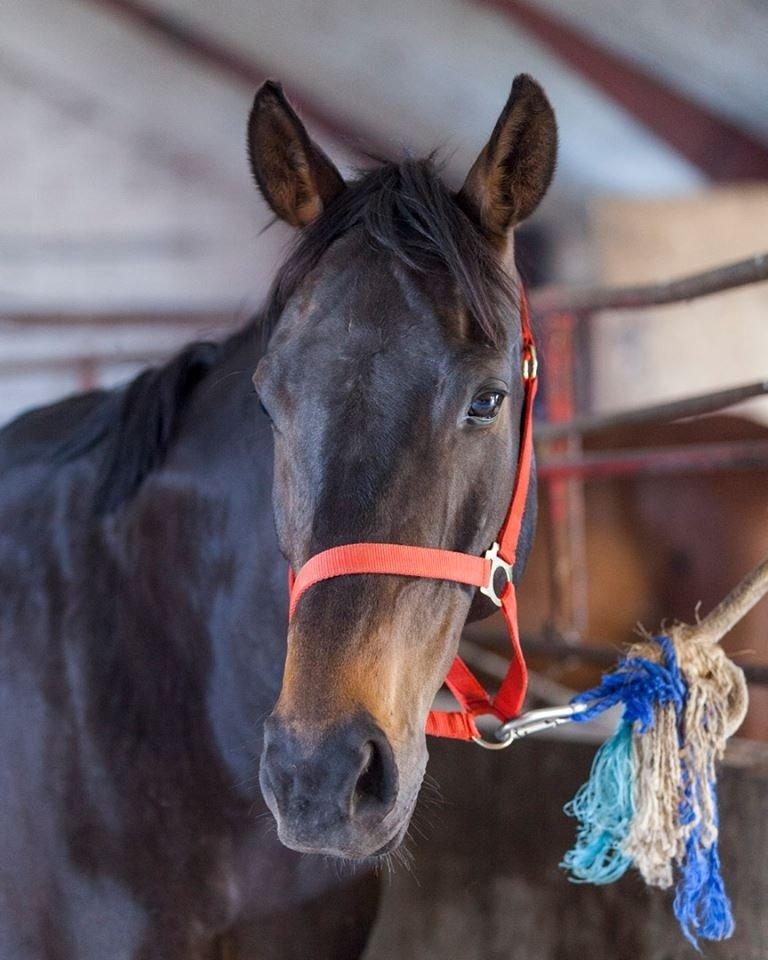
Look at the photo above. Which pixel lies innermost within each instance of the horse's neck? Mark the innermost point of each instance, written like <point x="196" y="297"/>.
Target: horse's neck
<point x="209" y="532"/>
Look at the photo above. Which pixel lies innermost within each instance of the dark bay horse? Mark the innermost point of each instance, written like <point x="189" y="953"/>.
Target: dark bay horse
<point x="143" y="551"/>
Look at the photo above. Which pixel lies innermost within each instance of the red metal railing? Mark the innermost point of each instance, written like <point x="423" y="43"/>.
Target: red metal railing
<point x="564" y="467"/>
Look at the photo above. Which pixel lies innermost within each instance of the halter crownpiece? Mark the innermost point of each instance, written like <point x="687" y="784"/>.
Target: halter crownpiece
<point x="491" y="574"/>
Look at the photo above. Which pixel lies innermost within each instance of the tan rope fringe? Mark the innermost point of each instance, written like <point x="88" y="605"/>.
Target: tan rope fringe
<point x="715" y="708"/>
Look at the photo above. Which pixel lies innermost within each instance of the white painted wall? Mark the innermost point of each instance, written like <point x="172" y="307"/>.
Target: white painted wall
<point x="665" y="353"/>
<point x="436" y="72"/>
<point x="712" y="50"/>
<point x="123" y="178"/>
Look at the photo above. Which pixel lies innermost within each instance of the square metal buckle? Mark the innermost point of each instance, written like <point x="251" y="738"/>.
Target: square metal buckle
<point x="530" y="362"/>
<point x="496" y="564"/>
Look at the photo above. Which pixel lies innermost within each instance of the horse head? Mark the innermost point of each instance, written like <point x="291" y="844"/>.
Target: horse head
<point x="392" y="382"/>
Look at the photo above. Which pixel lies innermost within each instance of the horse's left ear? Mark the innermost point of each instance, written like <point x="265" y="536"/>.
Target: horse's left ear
<point x="294" y="175"/>
<point x="510" y="177"/>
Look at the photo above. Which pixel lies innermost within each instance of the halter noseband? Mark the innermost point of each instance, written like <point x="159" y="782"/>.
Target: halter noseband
<point x="491" y="573"/>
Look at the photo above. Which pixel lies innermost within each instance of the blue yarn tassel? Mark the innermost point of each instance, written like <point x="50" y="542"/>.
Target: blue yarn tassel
<point x="701" y="904"/>
<point x="603" y="807"/>
<point x="604" y="804"/>
<point x="640" y="685"/>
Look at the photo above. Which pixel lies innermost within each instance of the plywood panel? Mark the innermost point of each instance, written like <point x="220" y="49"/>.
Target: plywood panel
<point x="657" y="354"/>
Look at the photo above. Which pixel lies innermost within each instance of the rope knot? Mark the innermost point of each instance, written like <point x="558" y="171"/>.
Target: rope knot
<point x="650" y="801"/>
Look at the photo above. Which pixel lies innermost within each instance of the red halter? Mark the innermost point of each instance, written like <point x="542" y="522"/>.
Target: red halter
<point x="483" y="572"/>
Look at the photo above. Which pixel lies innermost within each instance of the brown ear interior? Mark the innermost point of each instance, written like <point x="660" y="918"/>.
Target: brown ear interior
<point x="294" y="175"/>
<point x="513" y="171"/>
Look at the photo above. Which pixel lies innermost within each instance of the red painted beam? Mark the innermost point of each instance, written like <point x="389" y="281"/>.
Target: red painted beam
<point x="695" y="458"/>
<point x="719" y="148"/>
<point x="239" y="66"/>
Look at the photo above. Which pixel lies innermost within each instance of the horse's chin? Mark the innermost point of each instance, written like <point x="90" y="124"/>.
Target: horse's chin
<point x="369" y="847"/>
<point x="391" y="845"/>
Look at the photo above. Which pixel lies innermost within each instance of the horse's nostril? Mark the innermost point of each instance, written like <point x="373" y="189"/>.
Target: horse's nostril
<point x="329" y="789"/>
<point x="375" y="787"/>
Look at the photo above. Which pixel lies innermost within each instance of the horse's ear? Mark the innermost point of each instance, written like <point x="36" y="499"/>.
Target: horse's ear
<point x="514" y="169"/>
<point x="294" y="175"/>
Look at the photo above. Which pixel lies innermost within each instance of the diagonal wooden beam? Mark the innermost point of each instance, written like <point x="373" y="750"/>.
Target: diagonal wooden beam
<point x="241" y="67"/>
<point x="720" y="149"/>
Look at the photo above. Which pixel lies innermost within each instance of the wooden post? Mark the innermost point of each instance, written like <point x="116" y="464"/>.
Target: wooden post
<point x="567" y="532"/>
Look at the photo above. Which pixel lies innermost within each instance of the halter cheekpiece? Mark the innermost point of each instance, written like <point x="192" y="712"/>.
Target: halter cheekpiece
<point x="491" y="574"/>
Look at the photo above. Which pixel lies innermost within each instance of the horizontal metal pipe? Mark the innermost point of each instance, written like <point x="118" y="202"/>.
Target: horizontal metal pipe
<point x="224" y="320"/>
<point x="585" y="300"/>
<point x="694" y="458"/>
<point x="599" y="655"/>
<point x="657" y="413"/>
<point x="118" y="358"/>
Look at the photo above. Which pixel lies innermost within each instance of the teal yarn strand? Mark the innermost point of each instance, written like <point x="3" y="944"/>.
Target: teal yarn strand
<point x="603" y="807"/>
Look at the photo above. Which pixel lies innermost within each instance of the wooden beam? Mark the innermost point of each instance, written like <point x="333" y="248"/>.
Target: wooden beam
<point x="238" y="66"/>
<point x="720" y="149"/>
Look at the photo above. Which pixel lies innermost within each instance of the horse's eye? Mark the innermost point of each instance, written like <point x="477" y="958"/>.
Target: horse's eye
<point x="485" y="406"/>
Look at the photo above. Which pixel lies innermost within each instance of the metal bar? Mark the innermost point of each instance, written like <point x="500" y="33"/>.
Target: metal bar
<point x="79" y="362"/>
<point x="721" y="149"/>
<point x="565" y="495"/>
<point x="705" y="457"/>
<point x="199" y="319"/>
<point x="606" y="656"/>
<point x="657" y="413"/>
<point x="560" y="650"/>
<point x="589" y="299"/>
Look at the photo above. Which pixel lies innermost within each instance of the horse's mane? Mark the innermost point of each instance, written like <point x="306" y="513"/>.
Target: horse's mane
<point x="402" y="208"/>
<point x="132" y="426"/>
<point x="406" y="209"/>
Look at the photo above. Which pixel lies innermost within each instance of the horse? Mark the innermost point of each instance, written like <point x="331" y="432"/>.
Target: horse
<point x="158" y="715"/>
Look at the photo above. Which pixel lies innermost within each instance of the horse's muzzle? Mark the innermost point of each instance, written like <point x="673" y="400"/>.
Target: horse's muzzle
<point x="331" y="792"/>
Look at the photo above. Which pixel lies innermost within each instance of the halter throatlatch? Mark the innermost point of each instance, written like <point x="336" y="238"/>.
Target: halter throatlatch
<point x="491" y="574"/>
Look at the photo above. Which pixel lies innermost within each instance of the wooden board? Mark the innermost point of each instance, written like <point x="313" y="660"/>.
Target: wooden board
<point x="664" y="353"/>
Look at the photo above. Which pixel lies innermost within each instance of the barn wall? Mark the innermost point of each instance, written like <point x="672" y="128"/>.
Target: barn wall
<point x="485" y="883"/>
<point x="666" y="353"/>
<point x="715" y="53"/>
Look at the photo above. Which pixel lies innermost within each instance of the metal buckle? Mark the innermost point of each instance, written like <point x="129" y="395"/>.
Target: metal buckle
<point x="534" y="721"/>
<point x="496" y="564"/>
<point x="530" y="362"/>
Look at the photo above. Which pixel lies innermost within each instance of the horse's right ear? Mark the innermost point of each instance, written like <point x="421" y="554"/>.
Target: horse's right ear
<point x="294" y="175"/>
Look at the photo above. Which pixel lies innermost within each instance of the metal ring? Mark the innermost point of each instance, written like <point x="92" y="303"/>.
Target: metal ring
<point x="493" y="741"/>
<point x="534" y="721"/>
<point x="494" y="744"/>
